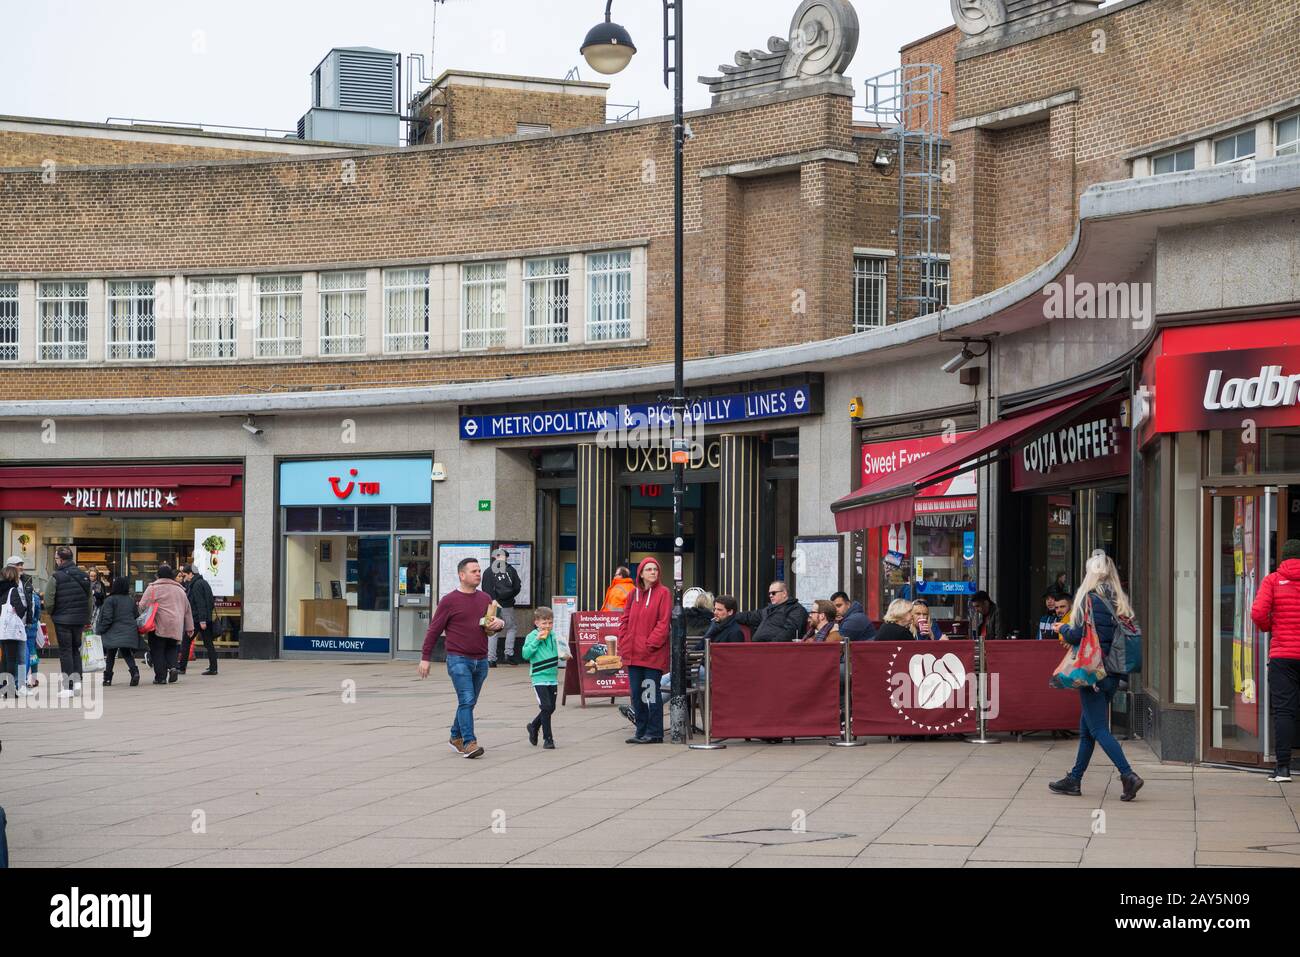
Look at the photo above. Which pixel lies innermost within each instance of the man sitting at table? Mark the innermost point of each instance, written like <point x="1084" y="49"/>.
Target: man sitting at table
<point x="984" y="615"/>
<point x="852" y="621"/>
<point x="724" y="629"/>
<point x="1046" y="629"/>
<point x="821" y="623"/>
<point x="784" y="619"/>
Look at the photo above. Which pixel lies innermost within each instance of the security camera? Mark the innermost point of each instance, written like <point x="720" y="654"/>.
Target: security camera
<point x="251" y="428"/>
<point x="959" y="360"/>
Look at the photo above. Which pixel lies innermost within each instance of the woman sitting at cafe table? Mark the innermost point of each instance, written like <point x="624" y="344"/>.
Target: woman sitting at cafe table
<point x="898" y="622"/>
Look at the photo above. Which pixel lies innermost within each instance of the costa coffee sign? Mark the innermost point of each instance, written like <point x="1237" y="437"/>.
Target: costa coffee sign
<point x="125" y="488"/>
<point x="1093" y="446"/>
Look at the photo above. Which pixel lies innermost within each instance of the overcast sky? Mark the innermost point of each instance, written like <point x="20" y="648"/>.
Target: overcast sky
<point x="247" y="62"/>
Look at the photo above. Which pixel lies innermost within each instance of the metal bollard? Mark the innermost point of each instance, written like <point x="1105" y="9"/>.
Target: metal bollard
<point x="981" y="672"/>
<point x="709" y="744"/>
<point x="848" y="741"/>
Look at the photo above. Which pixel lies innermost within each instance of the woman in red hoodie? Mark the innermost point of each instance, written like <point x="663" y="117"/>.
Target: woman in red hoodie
<point x="1277" y="610"/>
<point x="643" y="646"/>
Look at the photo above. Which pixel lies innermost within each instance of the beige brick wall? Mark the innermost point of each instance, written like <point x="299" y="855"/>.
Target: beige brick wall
<point x="1168" y="68"/>
<point x="751" y="244"/>
<point x="33" y="149"/>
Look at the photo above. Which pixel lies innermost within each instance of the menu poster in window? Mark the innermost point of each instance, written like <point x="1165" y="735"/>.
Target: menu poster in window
<point x="816" y="567"/>
<point x="563" y="608"/>
<point x="520" y="556"/>
<point x="24" y="544"/>
<point x="450" y="555"/>
<point x="214" y="558"/>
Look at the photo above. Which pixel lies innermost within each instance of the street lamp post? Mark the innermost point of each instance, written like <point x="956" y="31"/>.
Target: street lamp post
<point x="608" y="49"/>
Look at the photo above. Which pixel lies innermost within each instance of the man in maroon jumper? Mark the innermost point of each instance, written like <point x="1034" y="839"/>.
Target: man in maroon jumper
<point x="462" y="616"/>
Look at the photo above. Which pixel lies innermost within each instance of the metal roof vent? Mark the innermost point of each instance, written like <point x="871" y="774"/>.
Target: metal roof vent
<point x="356" y="78"/>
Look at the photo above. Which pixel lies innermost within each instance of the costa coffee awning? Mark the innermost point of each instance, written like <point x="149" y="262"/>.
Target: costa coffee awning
<point x="892" y="499"/>
<point x="122" y="488"/>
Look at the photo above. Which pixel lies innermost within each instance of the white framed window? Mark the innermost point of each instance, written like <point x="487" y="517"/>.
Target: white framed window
<point x="213" y="309"/>
<point x="9" y="322"/>
<point x="437" y="131"/>
<point x="1235" y="147"/>
<point x="63" y="327"/>
<point x="934" y="285"/>
<point x="342" y="313"/>
<point x="1286" y="135"/>
<point x="279" y="317"/>
<point x="525" y="129"/>
<point x="132" y="321"/>
<point x="483" y="305"/>
<point x="870" y="292"/>
<point x="609" y="296"/>
<point x="546" y="301"/>
<point x="406" y="310"/>
<point x="1177" y="161"/>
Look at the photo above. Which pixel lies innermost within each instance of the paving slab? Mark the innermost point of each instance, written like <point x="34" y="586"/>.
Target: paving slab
<point x="288" y="774"/>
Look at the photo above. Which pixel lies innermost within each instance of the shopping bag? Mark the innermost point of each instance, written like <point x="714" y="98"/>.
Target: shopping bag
<point x="92" y="653"/>
<point x="146" y="621"/>
<point x="11" y="625"/>
<point x="1081" y="667"/>
<point x="42" y="636"/>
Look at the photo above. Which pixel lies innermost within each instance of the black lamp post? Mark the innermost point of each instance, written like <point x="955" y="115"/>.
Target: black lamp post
<point x="608" y="49"/>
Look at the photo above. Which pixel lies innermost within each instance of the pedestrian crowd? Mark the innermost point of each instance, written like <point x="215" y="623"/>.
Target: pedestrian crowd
<point x="175" y="609"/>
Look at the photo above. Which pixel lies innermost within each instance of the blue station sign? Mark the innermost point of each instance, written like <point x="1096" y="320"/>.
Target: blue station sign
<point x="744" y="407"/>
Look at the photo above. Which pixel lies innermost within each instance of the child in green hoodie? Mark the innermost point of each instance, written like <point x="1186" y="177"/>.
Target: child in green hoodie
<point x="542" y="652"/>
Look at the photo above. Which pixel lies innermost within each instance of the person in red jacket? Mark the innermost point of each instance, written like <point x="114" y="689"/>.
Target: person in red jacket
<point x="1277" y="610"/>
<point x="643" y="646"/>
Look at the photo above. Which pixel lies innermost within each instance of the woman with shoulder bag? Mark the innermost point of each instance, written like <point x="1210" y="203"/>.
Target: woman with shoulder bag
<point x="14" y="610"/>
<point x="1098" y="601"/>
<point x="173" y="621"/>
<point x="116" y="626"/>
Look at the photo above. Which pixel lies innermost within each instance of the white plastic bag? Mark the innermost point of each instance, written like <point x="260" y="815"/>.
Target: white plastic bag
<point x="92" y="653"/>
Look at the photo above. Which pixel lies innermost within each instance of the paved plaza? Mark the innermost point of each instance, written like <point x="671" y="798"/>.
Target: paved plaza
<point x="310" y="763"/>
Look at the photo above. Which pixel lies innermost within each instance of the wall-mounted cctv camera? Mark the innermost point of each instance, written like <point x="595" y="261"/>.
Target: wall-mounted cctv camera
<point x="251" y="427"/>
<point x="959" y="360"/>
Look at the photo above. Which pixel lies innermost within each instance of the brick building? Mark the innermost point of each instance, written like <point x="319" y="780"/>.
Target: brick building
<point x="469" y="311"/>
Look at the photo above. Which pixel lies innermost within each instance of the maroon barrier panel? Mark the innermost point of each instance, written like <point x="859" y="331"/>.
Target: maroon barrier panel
<point x="775" y="690"/>
<point x="913" y="687"/>
<point x="1018" y="676"/>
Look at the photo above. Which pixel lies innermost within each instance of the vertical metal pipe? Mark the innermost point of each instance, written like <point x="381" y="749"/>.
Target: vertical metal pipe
<point x="677" y="705"/>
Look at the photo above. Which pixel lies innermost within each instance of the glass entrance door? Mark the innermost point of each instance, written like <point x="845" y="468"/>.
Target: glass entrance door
<point x="1244" y="529"/>
<point x="411" y="610"/>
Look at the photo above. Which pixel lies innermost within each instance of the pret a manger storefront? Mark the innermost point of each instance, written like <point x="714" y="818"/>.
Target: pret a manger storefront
<point x="129" y="519"/>
<point x="1219" y="429"/>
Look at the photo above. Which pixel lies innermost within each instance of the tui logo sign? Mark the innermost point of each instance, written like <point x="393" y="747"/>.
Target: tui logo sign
<point x="345" y="491"/>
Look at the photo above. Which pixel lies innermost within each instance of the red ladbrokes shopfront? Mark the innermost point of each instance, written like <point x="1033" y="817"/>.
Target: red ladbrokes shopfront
<point x="1218" y="413"/>
<point x="128" y="520"/>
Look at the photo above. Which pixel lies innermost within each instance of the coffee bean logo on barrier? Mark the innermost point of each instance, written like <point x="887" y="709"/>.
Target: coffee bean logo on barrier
<point x="934" y="686"/>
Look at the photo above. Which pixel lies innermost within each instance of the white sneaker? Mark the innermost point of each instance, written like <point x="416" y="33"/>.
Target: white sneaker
<point x="76" y="687"/>
<point x="24" y="691"/>
<point x="66" y="694"/>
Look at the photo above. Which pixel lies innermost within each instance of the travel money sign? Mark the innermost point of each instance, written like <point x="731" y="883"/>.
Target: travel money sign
<point x="742" y="407"/>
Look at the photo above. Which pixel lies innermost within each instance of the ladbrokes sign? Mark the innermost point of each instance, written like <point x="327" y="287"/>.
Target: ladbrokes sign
<point x="1221" y="390"/>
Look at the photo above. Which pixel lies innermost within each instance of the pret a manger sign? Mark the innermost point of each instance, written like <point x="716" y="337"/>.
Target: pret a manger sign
<point x="120" y="499"/>
<point x="1221" y="390"/>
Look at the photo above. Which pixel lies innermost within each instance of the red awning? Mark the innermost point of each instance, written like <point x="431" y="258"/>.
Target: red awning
<point x="120" y="476"/>
<point x="892" y="499"/>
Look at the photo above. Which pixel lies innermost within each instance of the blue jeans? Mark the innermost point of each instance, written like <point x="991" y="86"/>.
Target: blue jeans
<point x="467" y="677"/>
<point x="649" y="714"/>
<point x="1094" y="728"/>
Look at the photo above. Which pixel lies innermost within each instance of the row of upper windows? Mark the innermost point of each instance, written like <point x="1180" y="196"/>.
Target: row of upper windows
<point x="213" y="313"/>
<point x="1234" y="147"/>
